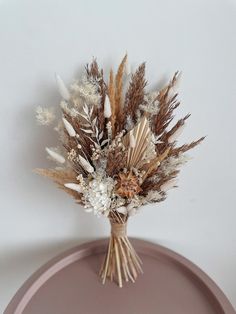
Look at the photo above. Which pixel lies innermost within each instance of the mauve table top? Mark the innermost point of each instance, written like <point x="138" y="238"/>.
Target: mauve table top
<point x="69" y="284"/>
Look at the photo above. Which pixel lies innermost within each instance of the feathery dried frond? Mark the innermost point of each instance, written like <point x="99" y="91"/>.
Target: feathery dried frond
<point x="93" y="72"/>
<point x="135" y="94"/>
<point x="184" y="148"/>
<point x="60" y="177"/>
<point x="167" y="104"/>
<point x="111" y="94"/>
<point x="118" y="94"/>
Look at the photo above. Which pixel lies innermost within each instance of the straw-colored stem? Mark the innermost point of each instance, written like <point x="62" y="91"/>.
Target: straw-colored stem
<point x="121" y="261"/>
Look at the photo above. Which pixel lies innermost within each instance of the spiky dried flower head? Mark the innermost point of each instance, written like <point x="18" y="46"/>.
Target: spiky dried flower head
<point x="127" y="185"/>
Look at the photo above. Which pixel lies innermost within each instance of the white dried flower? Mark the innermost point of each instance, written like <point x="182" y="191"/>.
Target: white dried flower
<point x="45" y="116"/>
<point x="62" y="88"/>
<point x="85" y="164"/>
<point x="86" y="91"/>
<point x="55" y="156"/>
<point x="98" y="195"/>
<point x="69" y="128"/>
<point x="72" y="155"/>
<point x="151" y="104"/>
<point x="129" y="123"/>
<point x="74" y="187"/>
<point x="107" y="108"/>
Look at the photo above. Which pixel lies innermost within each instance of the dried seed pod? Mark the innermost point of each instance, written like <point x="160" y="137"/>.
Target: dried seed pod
<point x="127" y="185"/>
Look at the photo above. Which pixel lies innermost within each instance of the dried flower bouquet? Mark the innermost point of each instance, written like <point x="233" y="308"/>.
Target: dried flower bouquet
<point x="119" y="152"/>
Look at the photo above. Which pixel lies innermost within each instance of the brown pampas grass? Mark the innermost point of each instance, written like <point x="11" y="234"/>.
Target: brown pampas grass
<point x="167" y="104"/>
<point x="118" y="95"/>
<point x="135" y="93"/>
<point x="111" y="94"/>
<point x="184" y="148"/>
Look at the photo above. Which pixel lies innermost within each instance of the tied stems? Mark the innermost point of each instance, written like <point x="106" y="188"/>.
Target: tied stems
<point x="121" y="261"/>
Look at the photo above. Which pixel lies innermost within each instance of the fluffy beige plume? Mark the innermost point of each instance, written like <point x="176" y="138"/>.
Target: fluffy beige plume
<point x="69" y="128"/>
<point x="107" y="108"/>
<point x="62" y="88"/>
<point x="74" y="187"/>
<point x="131" y="139"/>
<point x="85" y="164"/>
<point x="55" y="156"/>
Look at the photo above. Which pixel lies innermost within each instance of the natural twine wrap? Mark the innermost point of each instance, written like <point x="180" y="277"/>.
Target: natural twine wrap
<point x="119" y="230"/>
<point x="121" y="261"/>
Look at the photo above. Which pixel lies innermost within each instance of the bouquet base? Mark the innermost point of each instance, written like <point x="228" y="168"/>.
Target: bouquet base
<point x="121" y="262"/>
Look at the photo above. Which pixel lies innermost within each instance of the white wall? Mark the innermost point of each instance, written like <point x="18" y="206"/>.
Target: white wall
<point x="38" y="38"/>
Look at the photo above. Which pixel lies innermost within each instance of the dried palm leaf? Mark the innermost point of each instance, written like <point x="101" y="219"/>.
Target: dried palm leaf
<point x="140" y="135"/>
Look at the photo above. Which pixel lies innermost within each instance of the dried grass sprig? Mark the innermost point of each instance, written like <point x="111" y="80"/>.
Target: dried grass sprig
<point x="184" y="148"/>
<point x="167" y="104"/>
<point x="118" y="95"/>
<point x="135" y="94"/>
<point x="60" y="177"/>
<point x="111" y="94"/>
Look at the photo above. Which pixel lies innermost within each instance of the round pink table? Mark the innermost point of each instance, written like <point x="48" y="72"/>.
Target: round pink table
<point x="69" y="284"/>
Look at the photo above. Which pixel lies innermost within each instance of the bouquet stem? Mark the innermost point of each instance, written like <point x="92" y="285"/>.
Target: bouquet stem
<point x="121" y="261"/>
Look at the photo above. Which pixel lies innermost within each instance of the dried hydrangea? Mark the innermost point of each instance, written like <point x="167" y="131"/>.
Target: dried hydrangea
<point x="97" y="195"/>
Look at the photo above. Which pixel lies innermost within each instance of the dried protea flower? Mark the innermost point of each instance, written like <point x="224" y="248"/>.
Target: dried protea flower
<point x="127" y="185"/>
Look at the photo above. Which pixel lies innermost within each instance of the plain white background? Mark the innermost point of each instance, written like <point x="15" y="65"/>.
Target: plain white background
<point x="39" y="38"/>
